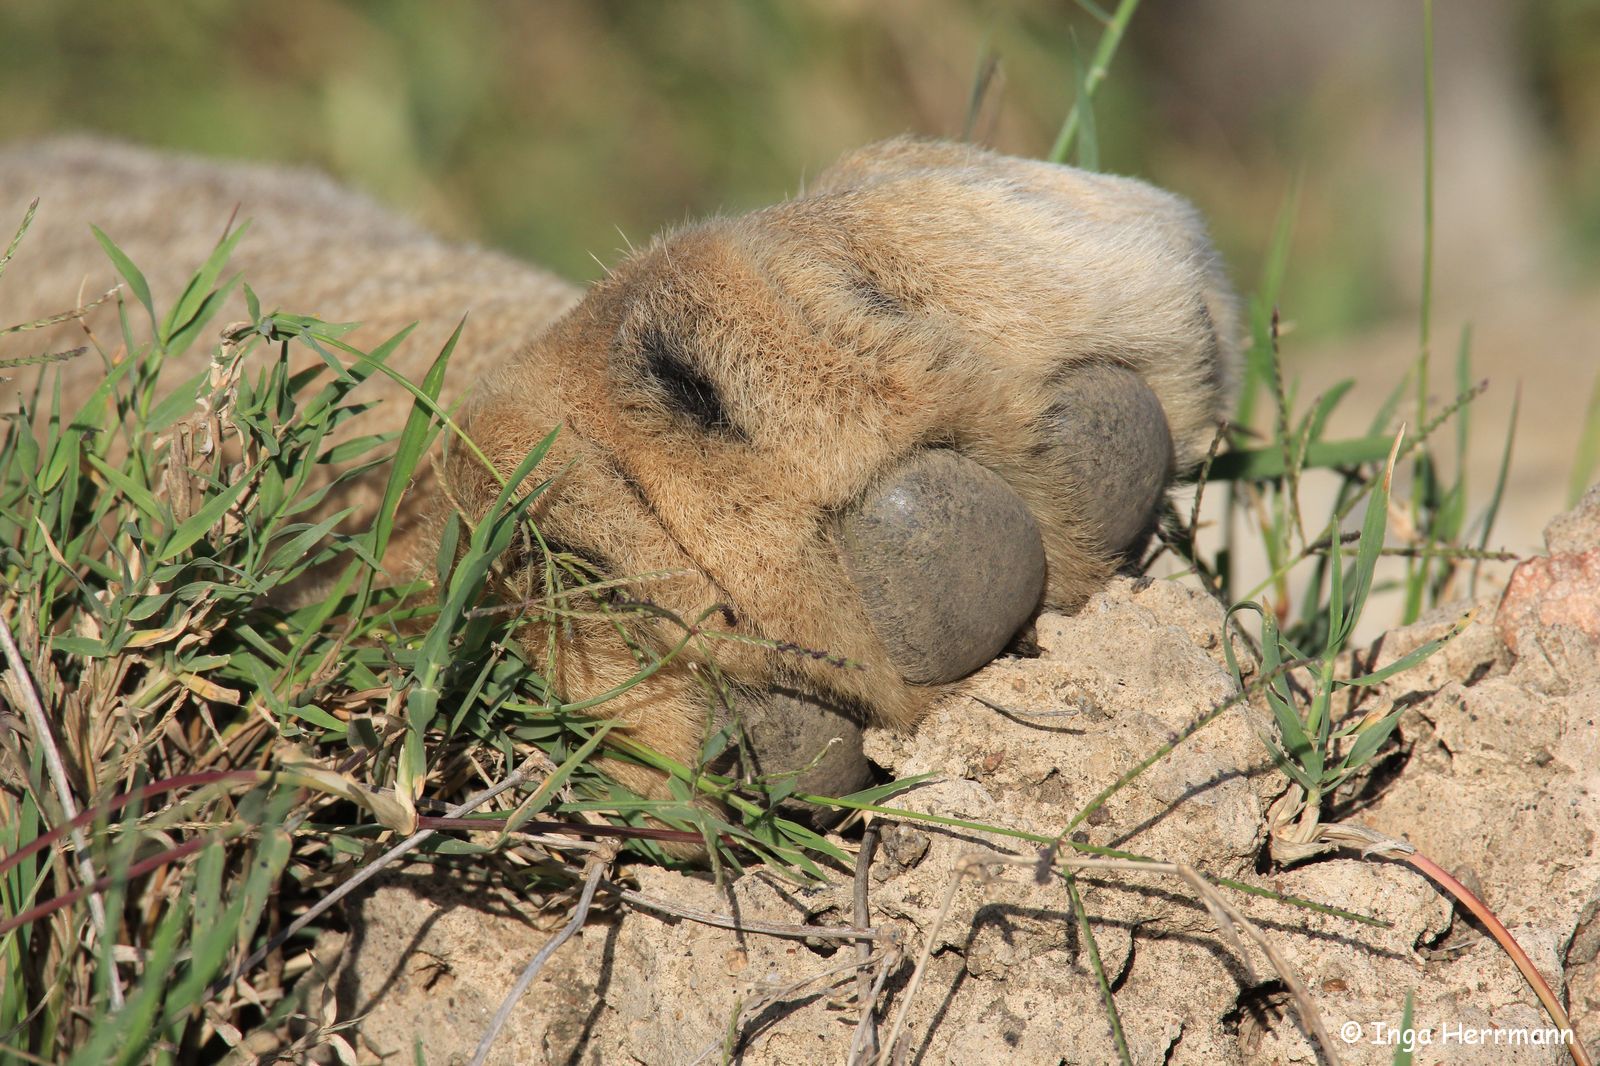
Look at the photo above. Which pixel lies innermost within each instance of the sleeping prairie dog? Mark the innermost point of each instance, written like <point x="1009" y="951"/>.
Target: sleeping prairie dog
<point x="884" y="421"/>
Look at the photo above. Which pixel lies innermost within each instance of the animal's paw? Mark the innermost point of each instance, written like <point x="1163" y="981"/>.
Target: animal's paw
<point x="867" y="432"/>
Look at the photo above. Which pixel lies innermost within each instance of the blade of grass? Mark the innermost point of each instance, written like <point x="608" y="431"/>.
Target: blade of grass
<point x="186" y="317"/>
<point x="1262" y="464"/>
<point x="1110" y="39"/>
<point x="1416" y="574"/>
<point x="1586" y="461"/>
<point x="1492" y="512"/>
<point x="1088" y="144"/>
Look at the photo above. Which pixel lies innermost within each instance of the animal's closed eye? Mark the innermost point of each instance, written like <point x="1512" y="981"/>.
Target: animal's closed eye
<point x="667" y="367"/>
<point x="875" y="295"/>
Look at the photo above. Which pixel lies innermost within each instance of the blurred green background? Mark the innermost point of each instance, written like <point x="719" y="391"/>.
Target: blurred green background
<point x="561" y="129"/>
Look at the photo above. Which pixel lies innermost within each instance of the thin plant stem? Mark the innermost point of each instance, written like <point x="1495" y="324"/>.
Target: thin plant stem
<point x="1098" y="67"/>
<point x="37" y="722"/>
<point x="1508" y="943"/>
<point x="597" y="869"/>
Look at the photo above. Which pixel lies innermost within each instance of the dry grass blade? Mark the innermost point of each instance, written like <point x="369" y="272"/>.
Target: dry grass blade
<point x="40" y="725"/>
<point x="791" y="931"/>
<point x="859" y="1052"/>
<point x="968" y="864"/>
<point x="1229" y="919"/>
<point x="865" y="1043"/>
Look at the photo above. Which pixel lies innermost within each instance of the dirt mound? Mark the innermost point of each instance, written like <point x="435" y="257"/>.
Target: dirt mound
<point x="1495" y="774"/>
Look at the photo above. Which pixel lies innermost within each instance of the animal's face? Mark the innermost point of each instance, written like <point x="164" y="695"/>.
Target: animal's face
<point x="879" y="423"/>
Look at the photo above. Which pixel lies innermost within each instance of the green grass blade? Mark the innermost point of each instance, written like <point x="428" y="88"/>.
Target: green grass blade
<point x="1267" y="463"/>
<point x="1110" y="38"/>
<point x="1492" y="512"/>
<point x="230" y="929"/>
<point x="200" y="523"/>
<point x="130" y="273"/>
<point x="419" y="431"/>
<point x="125" y="1036"/>
<point x="491" y="538"/>
<point x="141" y="497"/>
<point x="1405" y="1051"/>
<point x="184" y="337"/>
<point x="1373" y="528"/>
<point x="1258" y="366"/>
<point x="1368" y="741"/>
<point x="1317" y="420"/>
<point x="1088" y="144"/>
<point x="1336" y="602"/>
<point x="1586" y="461"/>
<point x="876" y="794"/>
<point x="988" y="68"/>
<point x="1404" y="663"/>
<point x="188" y="313"/>
<point x="1102" y="981"/>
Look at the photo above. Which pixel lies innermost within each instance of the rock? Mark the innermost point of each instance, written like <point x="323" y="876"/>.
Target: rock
<point x="1494" y="773"/>
<point x="1562" y="588"/>
<point x="1552" y="590"/>
<point x="1576" y="530"/>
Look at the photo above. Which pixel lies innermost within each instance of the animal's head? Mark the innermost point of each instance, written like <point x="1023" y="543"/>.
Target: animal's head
<point x="879" y="423"/>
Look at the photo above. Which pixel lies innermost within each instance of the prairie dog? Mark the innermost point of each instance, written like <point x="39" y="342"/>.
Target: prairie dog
<point x="880" y="422"/>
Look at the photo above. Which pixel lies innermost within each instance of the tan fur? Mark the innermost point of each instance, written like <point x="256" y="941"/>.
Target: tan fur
<point x="917" y="295"/>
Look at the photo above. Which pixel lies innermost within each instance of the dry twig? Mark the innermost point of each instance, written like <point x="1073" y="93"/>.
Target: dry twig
<point x="597" y="869"/>
<point x="865" y="1043"/>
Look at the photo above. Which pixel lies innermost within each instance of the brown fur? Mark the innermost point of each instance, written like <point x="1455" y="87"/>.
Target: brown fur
<point x="728" y="391"/>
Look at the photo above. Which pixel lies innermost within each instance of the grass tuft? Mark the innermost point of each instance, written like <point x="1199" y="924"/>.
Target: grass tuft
<point x="202" y="624"/>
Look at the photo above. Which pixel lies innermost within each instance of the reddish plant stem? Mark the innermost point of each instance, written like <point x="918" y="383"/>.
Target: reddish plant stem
<point x="138" y="869"/>
<point x="121" y="800"/>
<point x="1497" y="929"/>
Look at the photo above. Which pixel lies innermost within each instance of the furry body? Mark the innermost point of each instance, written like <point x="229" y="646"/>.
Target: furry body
<point x="732" y="390"/>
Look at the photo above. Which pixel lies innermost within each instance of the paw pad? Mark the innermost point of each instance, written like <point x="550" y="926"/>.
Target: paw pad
<point x="948" y="561"/>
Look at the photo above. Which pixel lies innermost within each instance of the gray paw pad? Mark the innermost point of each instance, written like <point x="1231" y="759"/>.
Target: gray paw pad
<point x="948" y="561"/>
<point x="1112" y="433"/>
<point x="787" y="730"/>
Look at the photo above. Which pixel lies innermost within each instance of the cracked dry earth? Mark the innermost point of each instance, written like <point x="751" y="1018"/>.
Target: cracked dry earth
<point x="1494" y="773"/>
